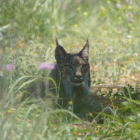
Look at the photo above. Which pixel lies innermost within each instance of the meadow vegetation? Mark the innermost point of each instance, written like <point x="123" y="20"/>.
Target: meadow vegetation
<point x="27" y="33"/>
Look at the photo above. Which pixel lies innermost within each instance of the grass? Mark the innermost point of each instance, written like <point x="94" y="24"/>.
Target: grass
<point x="27" y="32"/>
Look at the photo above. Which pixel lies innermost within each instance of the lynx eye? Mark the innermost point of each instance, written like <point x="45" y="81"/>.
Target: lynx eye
<point x="84" y="66"/>
<point x="69" y="67"/>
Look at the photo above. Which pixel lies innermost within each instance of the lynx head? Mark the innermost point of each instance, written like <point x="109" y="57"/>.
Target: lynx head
<point x="73" y="66"/>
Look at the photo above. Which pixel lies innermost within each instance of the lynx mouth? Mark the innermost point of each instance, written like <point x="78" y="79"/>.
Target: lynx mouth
<point x="76" y="82"/>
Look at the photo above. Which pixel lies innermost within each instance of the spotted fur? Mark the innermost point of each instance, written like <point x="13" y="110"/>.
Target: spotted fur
<point x="72" y="77"/>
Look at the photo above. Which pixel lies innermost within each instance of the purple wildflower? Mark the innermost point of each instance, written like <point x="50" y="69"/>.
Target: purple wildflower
<point x="129" y="1"/>
<point x="46" y="65"/>
<point x="110" y="48"/>
<point x="130" y="16"/>
<point x="119" y="6"/>
<point x="10" y="67"/>
<point x="63" y="7"/>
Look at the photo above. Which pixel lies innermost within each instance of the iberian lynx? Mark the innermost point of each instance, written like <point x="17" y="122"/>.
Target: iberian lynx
<point x="72" y="77"/>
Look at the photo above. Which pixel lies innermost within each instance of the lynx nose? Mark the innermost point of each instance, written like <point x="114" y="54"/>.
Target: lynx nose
<point x="78" y="75"/>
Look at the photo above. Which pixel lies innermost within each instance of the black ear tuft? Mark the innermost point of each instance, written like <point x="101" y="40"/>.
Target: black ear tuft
<point x="87" y="39"/>
<point x="60" y="52"/>
<point x="56" y="40"/>
<point x="84" y="53"/>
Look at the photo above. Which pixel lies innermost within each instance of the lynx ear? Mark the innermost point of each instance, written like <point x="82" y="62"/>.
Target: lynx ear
<point x="84" y="53"/>
<point x="60" y="52"/>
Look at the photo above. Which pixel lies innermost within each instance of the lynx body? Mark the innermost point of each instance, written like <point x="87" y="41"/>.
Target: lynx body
<point x="72" y="77"/>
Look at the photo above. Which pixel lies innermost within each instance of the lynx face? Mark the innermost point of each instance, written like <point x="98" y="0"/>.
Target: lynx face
<point x="74" y="67"/>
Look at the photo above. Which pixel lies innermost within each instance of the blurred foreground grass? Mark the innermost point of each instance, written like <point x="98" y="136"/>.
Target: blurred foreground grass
<point x="27" y="31"/>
